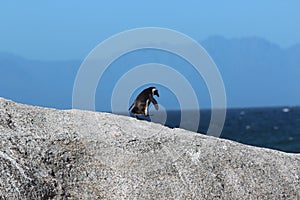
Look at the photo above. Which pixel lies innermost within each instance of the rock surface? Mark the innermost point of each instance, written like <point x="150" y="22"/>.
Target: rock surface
<point x="52" y="154"/>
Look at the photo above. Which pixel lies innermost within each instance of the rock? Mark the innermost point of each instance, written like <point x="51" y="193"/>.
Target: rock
<point x="53" y="154"/>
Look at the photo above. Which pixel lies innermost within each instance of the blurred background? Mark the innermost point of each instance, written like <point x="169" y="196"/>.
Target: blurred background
<point x="255" y="45"/>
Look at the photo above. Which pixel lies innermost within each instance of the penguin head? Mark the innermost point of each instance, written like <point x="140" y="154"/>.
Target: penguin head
<point x="155" y="91"/>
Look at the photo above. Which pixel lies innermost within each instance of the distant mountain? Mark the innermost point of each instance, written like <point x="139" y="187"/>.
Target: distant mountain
<point x="43" y="83"/>
<point x="293" y="57"/>
<point x="256" y="72"/>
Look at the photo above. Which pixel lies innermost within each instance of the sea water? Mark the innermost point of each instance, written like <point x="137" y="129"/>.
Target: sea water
<point x="273" y="127"/>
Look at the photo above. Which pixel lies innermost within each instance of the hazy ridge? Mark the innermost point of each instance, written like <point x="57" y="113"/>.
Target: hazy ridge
<point x="256" y="72"/>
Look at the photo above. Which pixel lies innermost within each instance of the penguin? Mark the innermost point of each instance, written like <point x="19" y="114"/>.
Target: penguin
<point x="142" y="102"/>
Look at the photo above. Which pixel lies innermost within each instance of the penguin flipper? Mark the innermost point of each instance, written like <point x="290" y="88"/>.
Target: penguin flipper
<point x="156" y="106"/>
<point x="154" y="102"/>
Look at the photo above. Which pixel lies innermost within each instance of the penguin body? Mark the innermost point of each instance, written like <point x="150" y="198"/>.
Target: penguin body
<point x="143" y="100"/>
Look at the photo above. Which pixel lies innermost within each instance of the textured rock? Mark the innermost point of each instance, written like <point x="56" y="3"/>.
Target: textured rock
<point x="52" y="154"/>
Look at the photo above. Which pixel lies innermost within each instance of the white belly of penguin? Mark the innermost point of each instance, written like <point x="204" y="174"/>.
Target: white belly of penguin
<point x="146" y="108"/>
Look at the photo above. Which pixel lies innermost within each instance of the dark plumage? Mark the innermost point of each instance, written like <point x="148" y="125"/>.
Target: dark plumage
<point x="143" y="100"/>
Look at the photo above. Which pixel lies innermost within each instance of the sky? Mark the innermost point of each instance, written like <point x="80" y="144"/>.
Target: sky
<point x="70" y="29"/>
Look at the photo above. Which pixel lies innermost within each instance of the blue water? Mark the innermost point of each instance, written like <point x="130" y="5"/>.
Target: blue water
<point x="274" y="127"/>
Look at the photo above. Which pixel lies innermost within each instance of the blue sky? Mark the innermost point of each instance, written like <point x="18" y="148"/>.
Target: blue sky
<point x="71" y="29"/>
<point x="51" y="30"/>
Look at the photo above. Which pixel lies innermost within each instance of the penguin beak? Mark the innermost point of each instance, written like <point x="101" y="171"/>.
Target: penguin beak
<point x="156" y="93"/>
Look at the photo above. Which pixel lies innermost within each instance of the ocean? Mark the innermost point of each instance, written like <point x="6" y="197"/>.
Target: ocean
<point x="271" y="127"/>
<point x="275" y="128"/>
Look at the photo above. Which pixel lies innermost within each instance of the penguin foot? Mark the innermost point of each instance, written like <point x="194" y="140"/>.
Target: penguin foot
<point x="137" y="117"/>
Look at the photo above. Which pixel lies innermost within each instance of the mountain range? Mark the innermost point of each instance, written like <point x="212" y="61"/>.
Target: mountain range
<point x="255" y="71"/>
